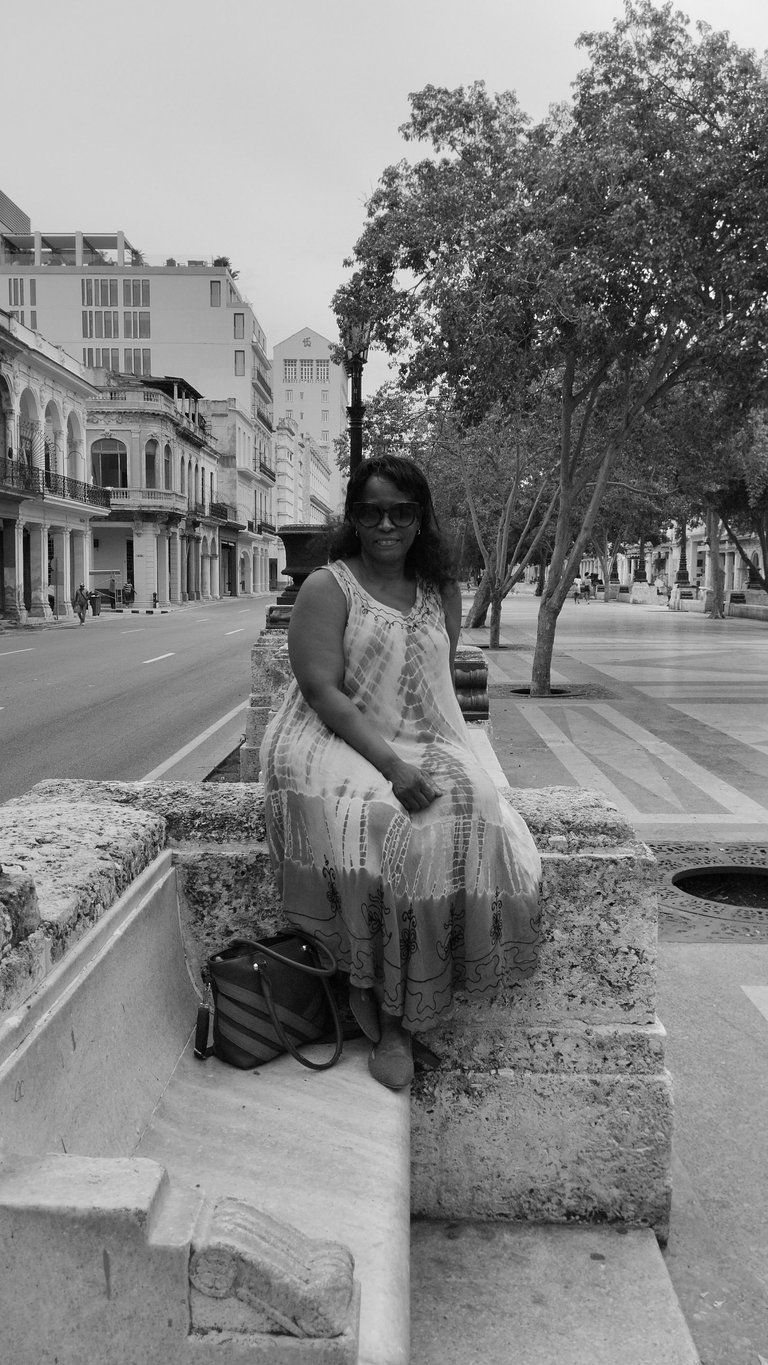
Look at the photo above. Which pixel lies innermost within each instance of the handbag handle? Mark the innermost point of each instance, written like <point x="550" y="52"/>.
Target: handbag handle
<point x="315" y="943"/>
<point x="288" y="1044"/>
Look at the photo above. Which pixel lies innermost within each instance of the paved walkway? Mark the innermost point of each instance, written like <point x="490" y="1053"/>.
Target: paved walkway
<point x="666" y="713"/>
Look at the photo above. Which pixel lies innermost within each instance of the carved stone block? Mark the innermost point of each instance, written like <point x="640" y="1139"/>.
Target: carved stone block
<point x="250" y="1273"/>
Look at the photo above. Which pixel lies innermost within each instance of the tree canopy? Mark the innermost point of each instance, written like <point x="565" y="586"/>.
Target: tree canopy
<point x="614" y="251"/>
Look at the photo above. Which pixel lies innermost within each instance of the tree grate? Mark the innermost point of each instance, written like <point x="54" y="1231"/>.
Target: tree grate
<point x="706" y="919"/>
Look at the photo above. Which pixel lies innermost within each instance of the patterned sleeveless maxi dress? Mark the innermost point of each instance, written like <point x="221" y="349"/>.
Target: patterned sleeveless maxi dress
<point x="443" y="899"/>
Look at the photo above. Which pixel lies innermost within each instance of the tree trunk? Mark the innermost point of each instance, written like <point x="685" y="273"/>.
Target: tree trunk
<point x="545" y="641"/>
<point x="496" y="599"/>
<point x="478" y="611"/>
<point x="717" y="577"/>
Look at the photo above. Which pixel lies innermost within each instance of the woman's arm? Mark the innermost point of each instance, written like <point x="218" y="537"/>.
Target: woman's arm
<point x="316" y="651"/>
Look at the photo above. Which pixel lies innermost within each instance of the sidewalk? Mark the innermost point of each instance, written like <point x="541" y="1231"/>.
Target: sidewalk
<point x="666" y="714"/>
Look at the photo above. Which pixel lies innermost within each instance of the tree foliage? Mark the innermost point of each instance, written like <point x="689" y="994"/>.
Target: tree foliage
<point x="614" y="252"/>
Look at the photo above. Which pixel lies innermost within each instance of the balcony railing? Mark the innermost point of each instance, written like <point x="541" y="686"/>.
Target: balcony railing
<point x="220" y="510"/>
<point x="266" y="528"/>
<point x="268" y="470"/>
<point x="146" y="499"/>
<point x="16" y="474"/>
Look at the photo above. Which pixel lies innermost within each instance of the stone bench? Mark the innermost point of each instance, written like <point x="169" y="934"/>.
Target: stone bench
<point x="551" y="1104"/>
<point x="154" y="1207"/>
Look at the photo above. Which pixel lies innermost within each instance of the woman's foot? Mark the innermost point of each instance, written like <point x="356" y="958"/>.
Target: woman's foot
<point x="363" y="1006"/>
<point x="391" y="1061"/>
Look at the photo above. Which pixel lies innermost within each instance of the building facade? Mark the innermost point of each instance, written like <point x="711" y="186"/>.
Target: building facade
<point x="247" y="478"/>
<point x="151" y="450"/>
<point x="310" y="391"/>
<point x="48" y="505"/>
<point x="96" y="295"/>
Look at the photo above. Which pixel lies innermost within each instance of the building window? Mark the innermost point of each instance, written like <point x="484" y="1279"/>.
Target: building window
<point x="322" y="371"/>
<point x="324" y="415"/>
<point x="289" y="413"/>
<point x="239" y="326"/>
<point x="215" y="293"/>
<point x="136" y="293"/>
<point x="87" y="324"/>
<point x="239" y="362"/>
<point x="324" y="396"/>
<point x="104" y="293"/>
<point x="109" y="463"/>
<point x="137" y="362"/>
<point x="33" y="319"/>
<point x="150" y="464"/>
<point x="289" y="371"/>
<point x="324" y="437"/>
<point x="15" y="293"/>
<point x="289" y="395"/>
<point x="136" y="325"/>
<point x="305" y="367"/>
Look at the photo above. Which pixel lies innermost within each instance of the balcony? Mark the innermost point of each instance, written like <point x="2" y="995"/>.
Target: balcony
<point x="265" y="528"/>
<point x="146" y="500"/>
<point x="268" y="470"/>
<point x="28" y="481"/>
<point x="263" y="416"/>
<point x="220" y="510"/>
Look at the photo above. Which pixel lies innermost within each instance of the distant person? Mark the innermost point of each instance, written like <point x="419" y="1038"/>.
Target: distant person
<point x="81" y="603"/>
<point x="577" y="588"/>
<point x="586" y="589"/>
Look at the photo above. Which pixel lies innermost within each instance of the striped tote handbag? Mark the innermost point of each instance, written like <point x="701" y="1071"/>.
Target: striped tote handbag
<point x="271" y="996"/>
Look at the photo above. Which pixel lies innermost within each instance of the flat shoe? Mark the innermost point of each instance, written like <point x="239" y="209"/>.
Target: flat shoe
<point x="392" y="1065"/>
<point x="363" y="1006"/>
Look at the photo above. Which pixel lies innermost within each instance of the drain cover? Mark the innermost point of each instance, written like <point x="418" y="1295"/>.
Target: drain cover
<point x="726" y="885"/>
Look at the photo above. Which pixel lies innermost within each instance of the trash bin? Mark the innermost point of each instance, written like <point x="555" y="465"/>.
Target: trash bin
<point x="95" y="603"/>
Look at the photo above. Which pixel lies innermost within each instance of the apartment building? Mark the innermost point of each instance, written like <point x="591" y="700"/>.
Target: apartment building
<point x="168" y="539"/>
<point x="310" y="392"/>
<point x="98" y="297"/>
<point x="48" y="505"/>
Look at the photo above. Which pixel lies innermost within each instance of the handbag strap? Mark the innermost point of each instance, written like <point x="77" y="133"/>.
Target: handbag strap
<point x="288" y="1043"/>
<point x="320" y="949"/>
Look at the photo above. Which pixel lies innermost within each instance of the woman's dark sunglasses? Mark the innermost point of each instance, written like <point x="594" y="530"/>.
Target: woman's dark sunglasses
<point x="401" y="514"/>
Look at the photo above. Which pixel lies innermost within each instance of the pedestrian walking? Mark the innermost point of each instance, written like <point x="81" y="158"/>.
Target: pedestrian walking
<point x="577" y="588"/>
<point x="81" y="603"/>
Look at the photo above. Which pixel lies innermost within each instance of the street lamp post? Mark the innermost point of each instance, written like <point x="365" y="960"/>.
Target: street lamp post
<point x="356" y="340"/>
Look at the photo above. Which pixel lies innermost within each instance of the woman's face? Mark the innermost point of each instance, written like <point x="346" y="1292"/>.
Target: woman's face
<point x="388" y="542"/>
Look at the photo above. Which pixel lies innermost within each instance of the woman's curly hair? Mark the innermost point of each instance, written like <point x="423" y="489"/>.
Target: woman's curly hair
<point x="429" y="558"/>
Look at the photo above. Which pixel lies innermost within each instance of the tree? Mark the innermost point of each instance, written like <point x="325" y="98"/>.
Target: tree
<point x="616" y="250"/>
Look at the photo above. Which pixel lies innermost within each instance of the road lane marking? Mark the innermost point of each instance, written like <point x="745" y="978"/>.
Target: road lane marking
<point x="759" y="997"/>
<point x="239" y="631"/>
<point x="6" y="652"/>
<point x="194" y="744"/>
<point x="158" y="657"/>
<point x="136" y="631"/>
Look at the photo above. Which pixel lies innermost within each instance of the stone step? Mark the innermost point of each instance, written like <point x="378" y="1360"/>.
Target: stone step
<point x="523" y="1294"/>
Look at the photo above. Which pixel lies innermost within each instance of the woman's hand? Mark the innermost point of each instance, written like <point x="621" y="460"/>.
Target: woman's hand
<point x="414" y="789"/>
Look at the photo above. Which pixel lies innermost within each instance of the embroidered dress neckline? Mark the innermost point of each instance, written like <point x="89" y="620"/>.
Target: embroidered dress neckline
<point x="404" y="615"/>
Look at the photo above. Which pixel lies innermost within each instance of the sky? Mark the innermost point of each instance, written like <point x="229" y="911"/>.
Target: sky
<point x="258" y="131"/>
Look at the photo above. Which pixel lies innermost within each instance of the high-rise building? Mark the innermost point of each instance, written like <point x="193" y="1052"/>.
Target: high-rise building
<point x="311" y="392"/>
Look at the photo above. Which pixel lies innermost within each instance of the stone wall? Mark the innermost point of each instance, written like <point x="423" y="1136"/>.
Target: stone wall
<point x="551" y="1102"/>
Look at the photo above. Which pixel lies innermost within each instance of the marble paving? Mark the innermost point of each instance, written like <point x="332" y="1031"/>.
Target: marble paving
<point x="680" y="742"/>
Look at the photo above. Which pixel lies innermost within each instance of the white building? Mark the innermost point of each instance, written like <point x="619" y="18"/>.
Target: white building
<point x="95" y="295"/>
<point x="311" y="392"/>
<point x="47" y="503"/>
<point x="168" y="539"/>
<point x="247" y="486"/>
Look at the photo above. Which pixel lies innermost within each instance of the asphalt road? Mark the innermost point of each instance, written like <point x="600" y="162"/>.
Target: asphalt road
<point x="125" y="693"/>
